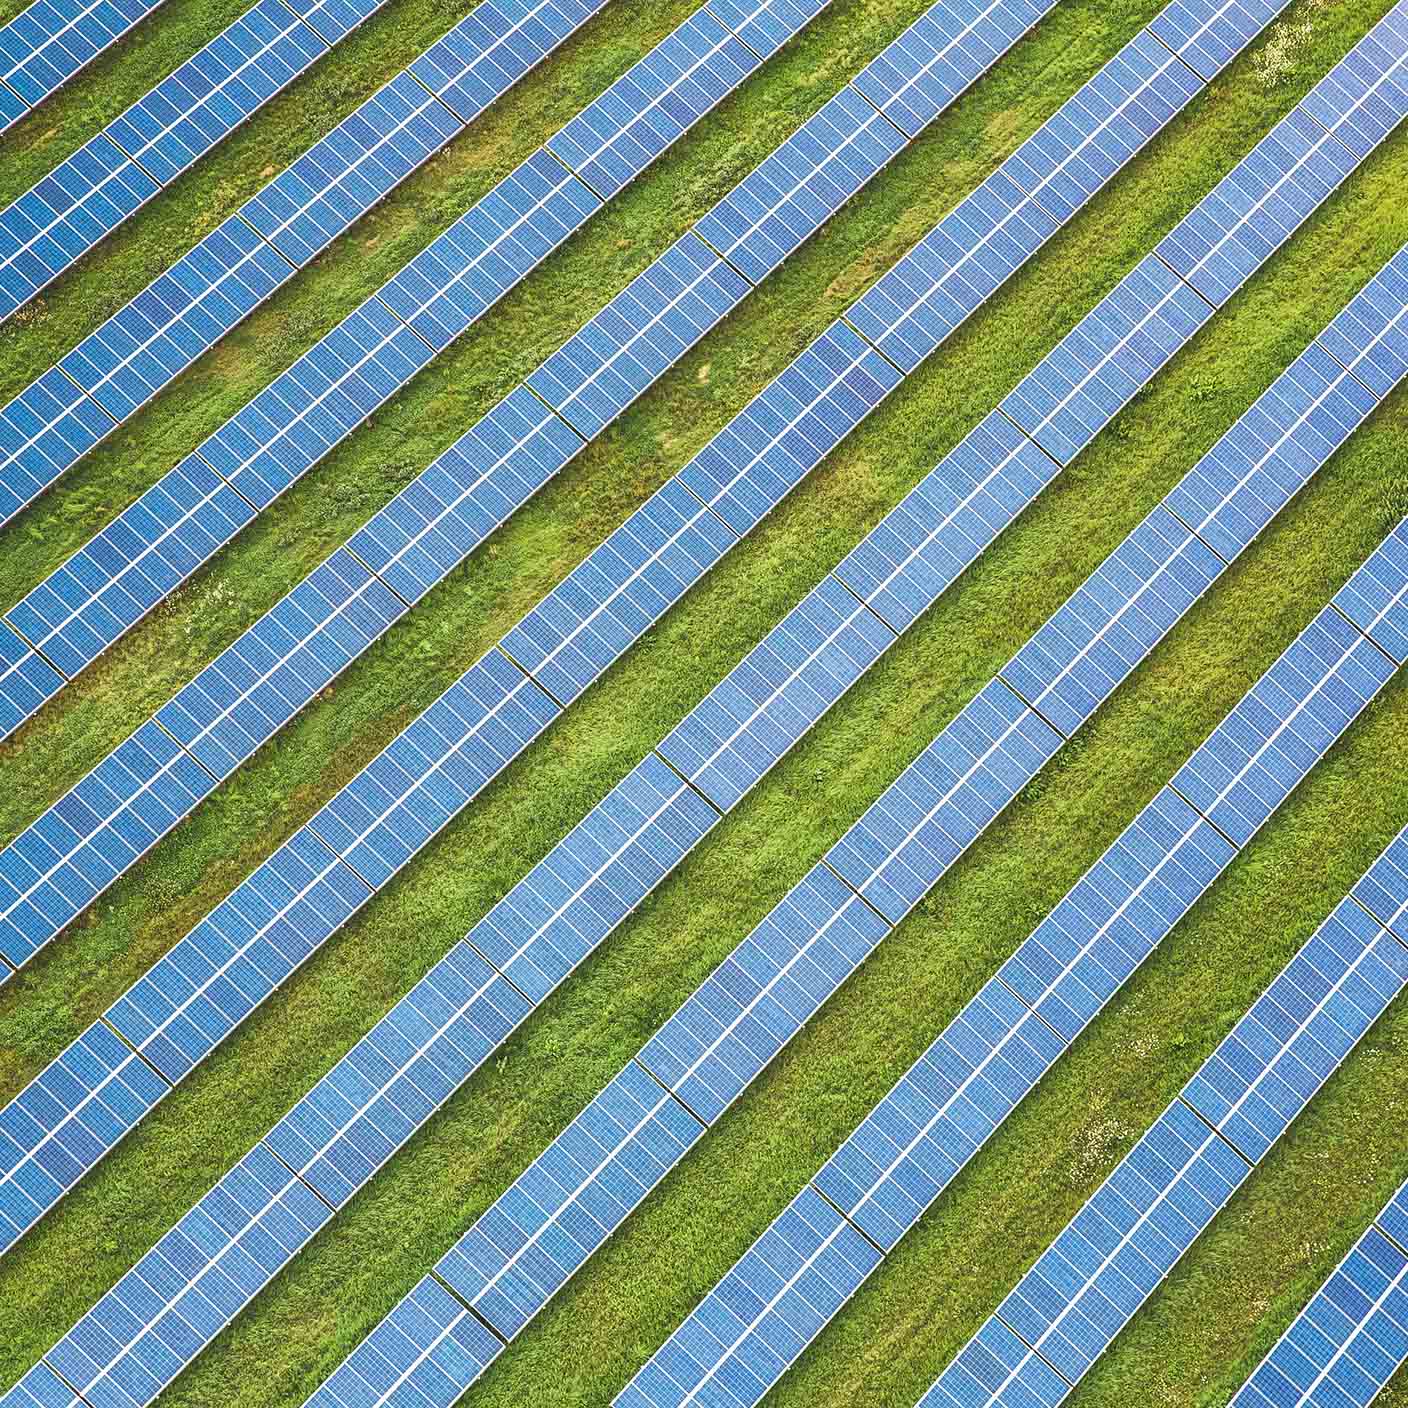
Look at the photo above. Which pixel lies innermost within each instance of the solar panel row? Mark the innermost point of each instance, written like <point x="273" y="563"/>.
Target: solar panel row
<point x="89" y="195"/>
<point x="820" y="680"/>
<point x="281" y="662"/>
<point x="760" y="1317"/>
<point x="141" y="349"/>
<point x="331" y="1139"/>
<point x="187" y="516"/>
<point x="1346" y="1345"/>
<point x="1088" y="1284"/>
<point x="46" y="44"/>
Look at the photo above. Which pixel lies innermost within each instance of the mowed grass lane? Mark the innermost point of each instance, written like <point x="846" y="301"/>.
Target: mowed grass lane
<point x="898" y="1335"/>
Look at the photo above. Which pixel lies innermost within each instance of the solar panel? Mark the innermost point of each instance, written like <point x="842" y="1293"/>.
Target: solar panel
<point x="421" y="1353"/>
<point x="1346" y="1345"/>
<point x="613" y="139"/>
<point x="1384" y="890"/>
<point x="764" y="1312"/>
<point x="185" y="311"/>
<point x="1208" y="34"/>
<point x="46" y="44"/>
<point x="782" y="687"/>
<point x="573" y="898"/>
<point x="26" y="681"/>
<point x="152" y="142"/>
<point x="765" y="27"/>
<point x="601" y="1167"/>
<point x="943" y="801"/>
<point x="41" y="1388"/>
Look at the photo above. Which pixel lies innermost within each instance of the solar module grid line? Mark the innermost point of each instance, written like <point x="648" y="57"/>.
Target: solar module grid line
<point x="153" y="141"/>
<point x="368" y="551"/>
<point x="47" y="44"/>
<point x="1248" y="767"/>
<point x="212" y="287"/>
<point x="1362" y="1305"/>
<point x="86" y="623"/>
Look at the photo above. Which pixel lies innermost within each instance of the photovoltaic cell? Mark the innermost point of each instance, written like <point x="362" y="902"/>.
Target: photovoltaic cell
<point x="766" y="27"/>
<point x="639" y="335"/>
<point x="1384" y="890"/>
<point x="43" y="430"/>
<point x="41" y="1388"/>
<point x="26" y="681"/>
<point x="1346" y="1345"/>
<point x="1377" y="600"/>
<point x="1209" y="34"/>
<point x="46" y="44"/>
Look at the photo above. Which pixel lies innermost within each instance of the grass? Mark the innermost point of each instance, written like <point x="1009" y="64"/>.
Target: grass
<point x="1244" y="1281"/>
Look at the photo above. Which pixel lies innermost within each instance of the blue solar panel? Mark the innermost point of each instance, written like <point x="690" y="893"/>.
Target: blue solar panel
<point x="760" y="1317"/>
<point x="336" y="181"/>
<point x="64" y="1121"/>
<point x="991" y="1361"/>
<point x="613" y="597"/>
<point x="432" y="768"/>
<point x="941" y="803"/>
<point x="569" y="1201"/>
<point x="1118" y="615"/>
<point x="1119" y="911"/>
<point x="1287" y="723"/>
<point x="494" y="46"/>
<point x="334" y="19"/>
<point x="257" y="684"/>
<point x="95" y="831"/>
<point x="908" y="1149"/>
<point x="782" y="202"/>
<point x="1299" y="1031"/>
<point x="1370" y="336"/>
<point x="179" y="1296"/>
<point x="1106" y="359"/>
<point x="763" y="994"/>
<point x="751" y="465"/>
<point x="234" y="75"/>
<point x="1350" y="1340"/>
<point x="766" y="25"/>
<point x="138" y="351"/>
<point x="776" y="693"/>
<point x="1208" y="34"/>
<point x="639" y="335"/>
<point x="1096" y="131"/>
<point x="1384" y="890"/>
<point x="612" y="140"/>
<point x="1261" y="201"/>
<point x="444" y="513"/>
<point x="58" y="219"/>
<point x="146" y="552"/>
<point x="505" y="235"/>
<point x="425" y="1352"/>
<point x="41" y="1388"/>
<point x="1240" y="485"/>
<point x="1366" y="95"/>
<point x="951" y="271"/>
<point x="937" y="531"/>
<point x="46" y="44"/>
<point x="190" y="1000"/>
<point x="46" y="428"/>
<point x="398" y="1075"/>
<point x="1376" y="597"/>
<point x="918" y="75"/>
<point x="1120" y="1246"/>
<point x="572" y="899"/>
<point x="26" y="681"/>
